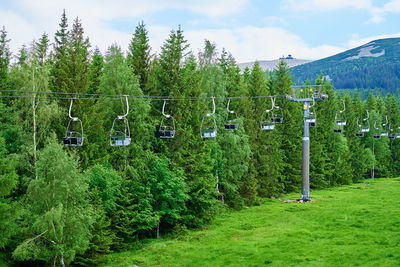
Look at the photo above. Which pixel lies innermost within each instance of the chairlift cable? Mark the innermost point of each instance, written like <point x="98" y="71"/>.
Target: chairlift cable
<point x="85" y="96"/>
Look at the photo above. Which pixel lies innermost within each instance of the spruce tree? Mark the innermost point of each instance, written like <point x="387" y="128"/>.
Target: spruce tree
<point x="290" y="132"/>
<point x="77" y="64"/>
<point x="8" y="209"/>
<point x="139" y="55"/>
<point x="169" y="193"/>
<point x="58" y="72"/>
<point x="5" y="56"/>
<point x="96" y="71"/>
<point x="41" y="49"/>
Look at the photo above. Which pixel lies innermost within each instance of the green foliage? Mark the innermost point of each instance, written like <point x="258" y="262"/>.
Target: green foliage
<point x="168" y="192"/>
<point x="8" y="181"/>
<point x="138" y="57"/>
<point x="59" y="216"/>
<point x="5" y="56"/>
<point x="96" y="71"/>
<point x="104" y="183"/>
<point x="290" y="131"/>
<point x="41" y="49"/>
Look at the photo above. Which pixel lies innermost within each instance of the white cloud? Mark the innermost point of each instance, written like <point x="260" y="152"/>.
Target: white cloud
<point x="379" y="13"/>
<point x="267" y="43"/>
<point x="356" y="41"/>
<point x="318" y="5"/>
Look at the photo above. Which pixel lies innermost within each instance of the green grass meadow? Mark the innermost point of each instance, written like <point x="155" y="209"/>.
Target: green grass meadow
<point x="356" y="225"/>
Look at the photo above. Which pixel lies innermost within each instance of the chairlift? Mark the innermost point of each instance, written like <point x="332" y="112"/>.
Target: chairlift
<point x="167" y="125"/>
<point x="73" y="137"/>
<point x="268" y="121"/>
<point x="364" y="126"/>
<point x="311" y="119"/>
<point x="385" y="126"/>
<point x="208" y="127"/>
<point x="340" y="120"/>
<point x="277" y="115"/>
<point x="121" y="136"/>
<point x="377" y="134"/>
<point x="391" y="133"/>
<point x="231" y="120"/>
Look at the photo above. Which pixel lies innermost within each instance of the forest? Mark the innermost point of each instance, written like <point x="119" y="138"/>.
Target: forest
<point x="69" y="205"/>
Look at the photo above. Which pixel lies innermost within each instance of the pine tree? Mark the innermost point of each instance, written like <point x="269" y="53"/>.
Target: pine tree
<point x="41" y="49"/>
<point x="8" y="209"/>
<point x="394" y="122"/>
<point x="58" y="72"/>
<point x="22" y="56"/>
<point x="139" y="55"/>
<point x="77" y="64"/>
<point x="5" y="56"/>
<point x="290" y="131"/>
<point x="96" y="71"/>
<point x="104" y="185"/>
<point x="169" y="193"/>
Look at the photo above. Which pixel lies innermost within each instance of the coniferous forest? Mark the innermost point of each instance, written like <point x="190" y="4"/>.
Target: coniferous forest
<point x="72" y="204"/>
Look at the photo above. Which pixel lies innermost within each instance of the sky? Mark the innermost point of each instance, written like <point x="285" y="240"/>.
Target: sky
<point x="249" y="29"/>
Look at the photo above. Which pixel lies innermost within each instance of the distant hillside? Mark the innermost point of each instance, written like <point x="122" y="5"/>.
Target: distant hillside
<point x="375" y="65"/>
<point x="270" y="65"/>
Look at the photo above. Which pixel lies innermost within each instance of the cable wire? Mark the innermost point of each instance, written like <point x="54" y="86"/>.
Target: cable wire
<point x="83" y="96"/>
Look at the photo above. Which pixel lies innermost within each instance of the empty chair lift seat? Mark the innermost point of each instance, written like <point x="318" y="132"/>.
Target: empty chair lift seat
<point x="166" y="133"/>
<point x="231" y="126"/>
<point x="341" y="122"/>
<point x="208" y="133"/>
<point x="277" y="119"/>
<point x="73" y="141"/>
<point x="120" y="140"/>
<point x="268" y="126"/>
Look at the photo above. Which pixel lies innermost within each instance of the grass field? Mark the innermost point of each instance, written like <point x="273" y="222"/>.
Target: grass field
<point x="357" y="225"/>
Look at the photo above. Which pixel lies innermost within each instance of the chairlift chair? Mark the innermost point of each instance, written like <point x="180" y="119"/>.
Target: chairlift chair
<point x="119" y="137"/>
<point x="391" y="133"/>
<point x="231" y="120"/>
<point x="385" y="126"/>
<point x="311" y="119"/>
<point x="277" y="115"/>
<point x="208" y="127"/>
<point x="364" y="126"/>
<point x="376" y="134"/>
<point x="267" y="124"/>
<point x="340" y="120"/>
<point x="167" y="128"/>
<point x="73" y="137"/>
<point x="268" y="119"/>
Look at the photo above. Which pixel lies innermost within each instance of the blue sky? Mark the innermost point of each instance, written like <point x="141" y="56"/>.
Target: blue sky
<point x="249" y="29"/>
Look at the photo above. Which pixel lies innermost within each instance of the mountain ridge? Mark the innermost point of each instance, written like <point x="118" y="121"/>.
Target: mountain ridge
<point x="270" y="65"/>
<point x="371" y="66"/>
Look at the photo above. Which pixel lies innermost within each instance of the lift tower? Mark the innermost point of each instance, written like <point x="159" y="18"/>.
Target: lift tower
<point x="306" y="94"/>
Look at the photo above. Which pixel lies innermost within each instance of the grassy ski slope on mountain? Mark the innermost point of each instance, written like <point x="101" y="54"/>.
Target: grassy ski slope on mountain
<point x="373" y="65"/>
<point x="356" y="225"/>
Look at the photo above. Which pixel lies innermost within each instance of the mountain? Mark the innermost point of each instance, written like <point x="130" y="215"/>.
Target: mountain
<point x="374" y="66"/>
<point x="270" y="65"/>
